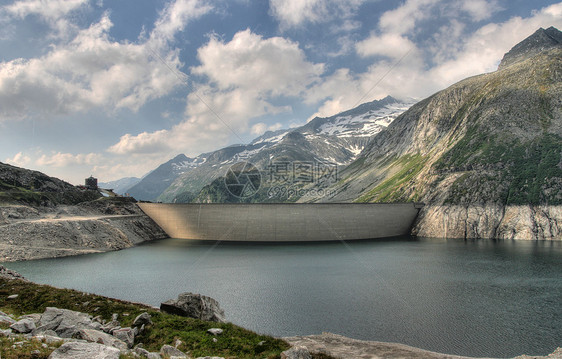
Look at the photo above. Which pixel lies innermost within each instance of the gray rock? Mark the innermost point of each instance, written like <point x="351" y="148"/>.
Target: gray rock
<point x="5" y="332"/>
<point x="36" y="317"/>
<point x="210" y="358"/>
<point x="77" y="350"/>
<point x="298" y="352"/>
<point x="171" y="351"/>
<point x="126" y="335"/>
<point x="142" y="319"/>
<point x="141" y="351"/>
<point x="66" y="323"/>
<point x="194" y="306"/>
<point x="153" y="356"/>
<point x="24" y="326"/>
<point x="215" y="331"/>
<point x="97" y="336"/>
<point x="10" y="274"/>
<point x="4" y="319"/>
<point x="13" y="296"/>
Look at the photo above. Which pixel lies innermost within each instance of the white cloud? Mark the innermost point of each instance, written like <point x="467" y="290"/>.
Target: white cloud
<point x="142" y="143"/>
<point x="482" y="51"/>
<point x="479" y="9"/>
<point x="390" y="45"/>
<point x="48" y="9"/>
<point x="403" y="19"/>
<point x="175" y="17"/>
<point x="245" y="74"/>
<point x="294" y="13"/>
<point x="275" y="66"/>
<point x="260" y="128"/>
<point x="20" y="160"/>
<point x="92" y="70"/>
<point x="474" y="54"/>
<point x="60" y="159"/>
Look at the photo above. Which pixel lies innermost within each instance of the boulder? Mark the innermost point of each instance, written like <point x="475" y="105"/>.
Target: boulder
<point x="153" y="356"/>
<point x="126" y="335"/>
<point x="79" y="350"/>
<point x="66" y="323"/>
<point x="170" y="351"/>
<point x="194" y="306"/>
<point x="215" y="331"/>
<point x="298" y="352"/>
<point x="210" y="358"/>
<point x="35" y="316"/>
<point x="4" y="319"/>
<point x="141" y="351"/>
<point x="142" y="319"/>
<point x="97" y="336"/>
<point x="24" y="326"/>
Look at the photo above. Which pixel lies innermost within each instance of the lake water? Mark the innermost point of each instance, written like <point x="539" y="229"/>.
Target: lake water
<point x="475" y="298"/>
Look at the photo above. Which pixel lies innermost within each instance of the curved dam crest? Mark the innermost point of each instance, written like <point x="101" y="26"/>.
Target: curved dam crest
<point x="283" y="222"/>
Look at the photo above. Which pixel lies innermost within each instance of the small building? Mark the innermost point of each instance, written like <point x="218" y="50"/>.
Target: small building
<point x="92" y="183"/>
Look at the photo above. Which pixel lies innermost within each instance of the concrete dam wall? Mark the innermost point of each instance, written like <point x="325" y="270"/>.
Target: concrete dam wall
<point x="299" y="222"/>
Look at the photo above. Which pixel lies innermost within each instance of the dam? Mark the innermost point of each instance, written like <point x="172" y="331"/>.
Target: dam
<point x="283" y="222"/>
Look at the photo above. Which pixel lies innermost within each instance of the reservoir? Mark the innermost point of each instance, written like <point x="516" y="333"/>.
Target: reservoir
<point x="474" y="298"/>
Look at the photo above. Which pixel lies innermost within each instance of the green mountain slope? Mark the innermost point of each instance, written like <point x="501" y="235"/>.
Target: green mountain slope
<point x="494" y="138"/>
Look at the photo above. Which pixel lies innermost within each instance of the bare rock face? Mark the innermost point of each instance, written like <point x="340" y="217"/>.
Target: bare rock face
<point x="97" y="336"/>
<point x="78" y="350"/>
<point x="298" y="352"/>
<point x="170" y="351"/>
<point x="10" y="274"/>
<point x="490" y="221"/>
<point x="66" y="323"/>
<point x="195" y="306"/>
<point x="23" y="326"/>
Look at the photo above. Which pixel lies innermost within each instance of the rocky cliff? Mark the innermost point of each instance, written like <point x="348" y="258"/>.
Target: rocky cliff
<point x="44" y="217"/>
<point x="103" y="225"/>
<point x="485" y="154"/>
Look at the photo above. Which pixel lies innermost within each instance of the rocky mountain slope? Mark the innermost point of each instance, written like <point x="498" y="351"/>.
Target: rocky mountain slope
<point x="485" y="154"/>
<point x="155" y="182"/>
<point x="19" y="185"/>
<point x="335" y="140"/>
<point x="43" y="217"/>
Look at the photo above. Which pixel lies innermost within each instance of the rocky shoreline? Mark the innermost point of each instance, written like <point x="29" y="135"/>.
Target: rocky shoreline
<point x="490" y="222"/>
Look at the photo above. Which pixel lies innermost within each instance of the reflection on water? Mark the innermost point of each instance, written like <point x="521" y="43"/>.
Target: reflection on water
<point x="476" y="298"/>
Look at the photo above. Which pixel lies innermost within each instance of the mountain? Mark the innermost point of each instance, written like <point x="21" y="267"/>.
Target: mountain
<point x="485" y="154"/>
<point x="155" y="182"/>
<point x="23" y="186"/>
<point x="539" y="41"/>
<point x="120" y="186"/>
<point x="336" y="140"/>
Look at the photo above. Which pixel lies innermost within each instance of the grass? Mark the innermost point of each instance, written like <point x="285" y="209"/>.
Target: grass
<point x="392" y="189"/>
<point x="235" y="342"/>
<point x="529" y="170"/>
<point x="22" y="348"/>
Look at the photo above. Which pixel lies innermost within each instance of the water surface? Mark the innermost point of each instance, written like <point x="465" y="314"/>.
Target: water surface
<point x="475" y="298"/>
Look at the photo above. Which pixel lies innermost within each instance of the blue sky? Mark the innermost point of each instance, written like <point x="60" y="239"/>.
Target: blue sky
<point x="115" y="87"/>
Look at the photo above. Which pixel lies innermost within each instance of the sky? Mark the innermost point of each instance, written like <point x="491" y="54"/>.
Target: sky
<point x="113" y="88"/>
